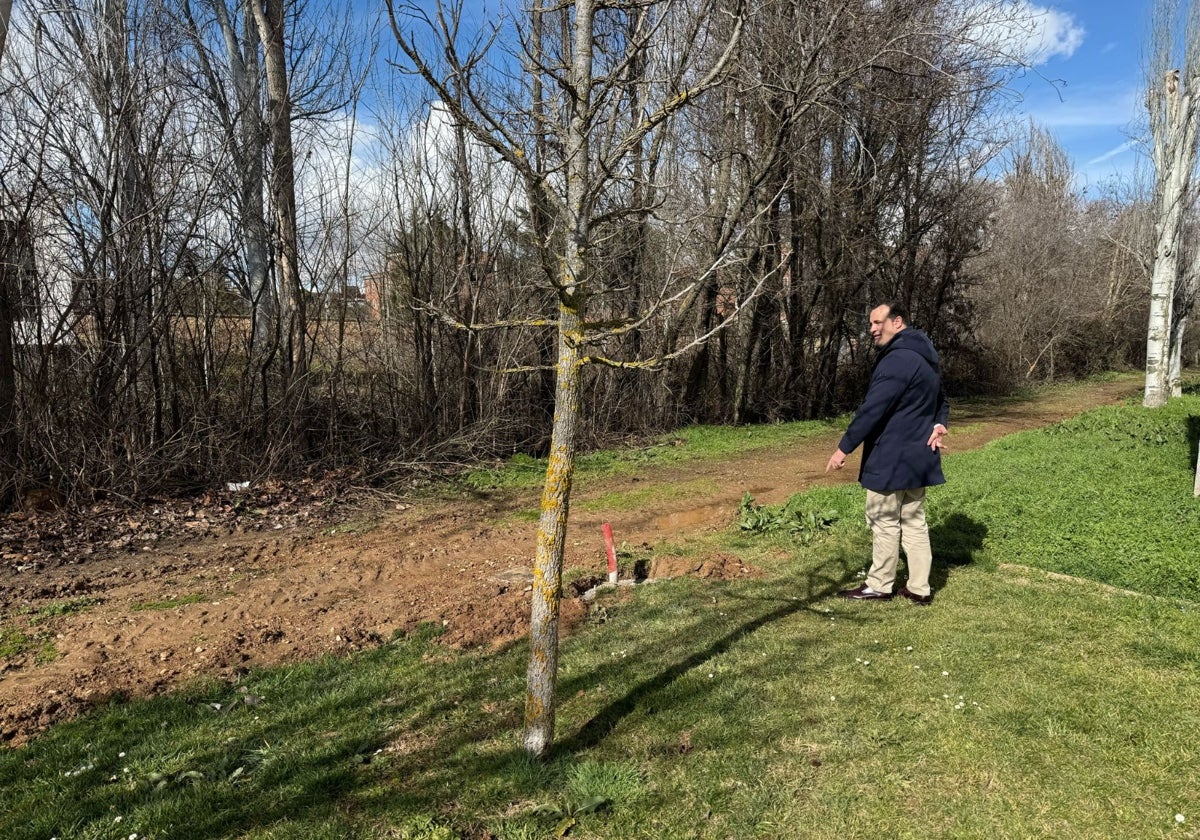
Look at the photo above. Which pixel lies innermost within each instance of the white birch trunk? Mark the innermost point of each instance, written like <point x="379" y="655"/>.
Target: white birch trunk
<point x="251" y="140"/>
<point x="1175" y="359"/>
<point x="1174" y="154"/>
<point x="1185" y="301"/>
<point x="269" y="17"/>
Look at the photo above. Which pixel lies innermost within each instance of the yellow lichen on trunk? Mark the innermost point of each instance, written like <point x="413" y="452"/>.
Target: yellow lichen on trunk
<point x="548" y="559"/>
<point x="556" y="493"/>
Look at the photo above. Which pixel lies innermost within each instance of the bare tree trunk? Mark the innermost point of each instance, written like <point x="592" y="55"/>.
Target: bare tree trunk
<point x="468" y="281"/>
<point x="11" y="264"/>
<point x="542" y="677"/>
<point x="5" y="15"/>
<point x="1181" y="313"/>
<point x="8" y="376"/>
<point x="1173" y="125"/>
<point x="270" y="19"/>
<point x="1173" y="186"/>
<point x="1175" y="363"/>
<point x="751" y="328"/>
<point x="701" y="304"/>
<point x="567" y="258"/>
<point x="556" y="493"/>
<point x="243" y="58"/>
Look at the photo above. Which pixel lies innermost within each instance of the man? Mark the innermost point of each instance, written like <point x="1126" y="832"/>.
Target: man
<point x="901" y="425"/>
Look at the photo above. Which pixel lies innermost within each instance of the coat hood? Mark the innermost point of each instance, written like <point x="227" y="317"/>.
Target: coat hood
<point x="916" y="341"/>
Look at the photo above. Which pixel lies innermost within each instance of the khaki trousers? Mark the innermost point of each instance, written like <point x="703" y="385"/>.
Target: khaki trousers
<point x="895" y="518"/>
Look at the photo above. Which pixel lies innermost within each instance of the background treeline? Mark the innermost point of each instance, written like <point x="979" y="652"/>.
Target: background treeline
<point x="157" y="332"/>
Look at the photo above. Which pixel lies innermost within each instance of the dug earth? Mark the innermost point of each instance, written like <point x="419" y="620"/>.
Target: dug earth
<point x="111" y="601"/>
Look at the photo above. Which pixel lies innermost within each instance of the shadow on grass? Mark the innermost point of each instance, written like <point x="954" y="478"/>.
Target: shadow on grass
<point x="956" y="541"/>
<point x="322" y="740"/>
<point x="1193" y="438"/>
<point x="339" y="746"/>
<point x="817" y="586"/>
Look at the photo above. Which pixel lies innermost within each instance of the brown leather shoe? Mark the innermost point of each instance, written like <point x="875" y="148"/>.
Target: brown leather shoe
<point x="865" y="593"/>
<point x="921" y="600"/>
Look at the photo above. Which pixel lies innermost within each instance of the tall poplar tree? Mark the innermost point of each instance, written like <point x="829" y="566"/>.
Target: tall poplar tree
<point x="1174" y="80"/>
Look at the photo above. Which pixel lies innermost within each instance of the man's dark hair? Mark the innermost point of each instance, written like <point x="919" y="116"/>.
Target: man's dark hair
<point x="896" y="309"/>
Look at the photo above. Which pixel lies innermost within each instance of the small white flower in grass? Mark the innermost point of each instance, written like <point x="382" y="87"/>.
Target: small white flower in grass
<point x="1179" y="818"/>
<point x="710" y="676"/>
<point x="117" y="819"/>
<point x="945" y="673"/>
<point x="120" y="755"/>
<point x="909" y="648"/>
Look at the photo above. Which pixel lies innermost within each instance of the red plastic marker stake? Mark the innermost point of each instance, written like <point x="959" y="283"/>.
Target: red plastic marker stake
<point x="612" y="552"/>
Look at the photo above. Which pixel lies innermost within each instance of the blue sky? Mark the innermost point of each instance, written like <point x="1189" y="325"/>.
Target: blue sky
<point x="1088" y="91"/>
<point x="1086" y="87"/>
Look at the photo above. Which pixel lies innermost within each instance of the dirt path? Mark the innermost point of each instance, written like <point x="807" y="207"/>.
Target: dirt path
<point x="137" y="622"/>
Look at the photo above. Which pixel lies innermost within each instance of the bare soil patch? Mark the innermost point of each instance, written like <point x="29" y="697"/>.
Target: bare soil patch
<point x="134" y="603"/>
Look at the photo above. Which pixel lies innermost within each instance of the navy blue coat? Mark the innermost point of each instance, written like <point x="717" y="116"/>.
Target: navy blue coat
<point x="904" y="402"/>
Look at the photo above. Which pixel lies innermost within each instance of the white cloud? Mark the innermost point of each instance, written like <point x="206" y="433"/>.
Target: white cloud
<point x="1028" y="32"/>
<point x="1054" y="34"/>
<point x="1112" y="153"/>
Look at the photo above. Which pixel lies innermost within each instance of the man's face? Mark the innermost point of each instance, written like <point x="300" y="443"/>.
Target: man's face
<point x="884" y="326"/>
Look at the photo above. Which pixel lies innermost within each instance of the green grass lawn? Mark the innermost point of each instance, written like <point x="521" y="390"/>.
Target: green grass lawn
<point x="688" y="444"/>
<point x="1052" y="690"/>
